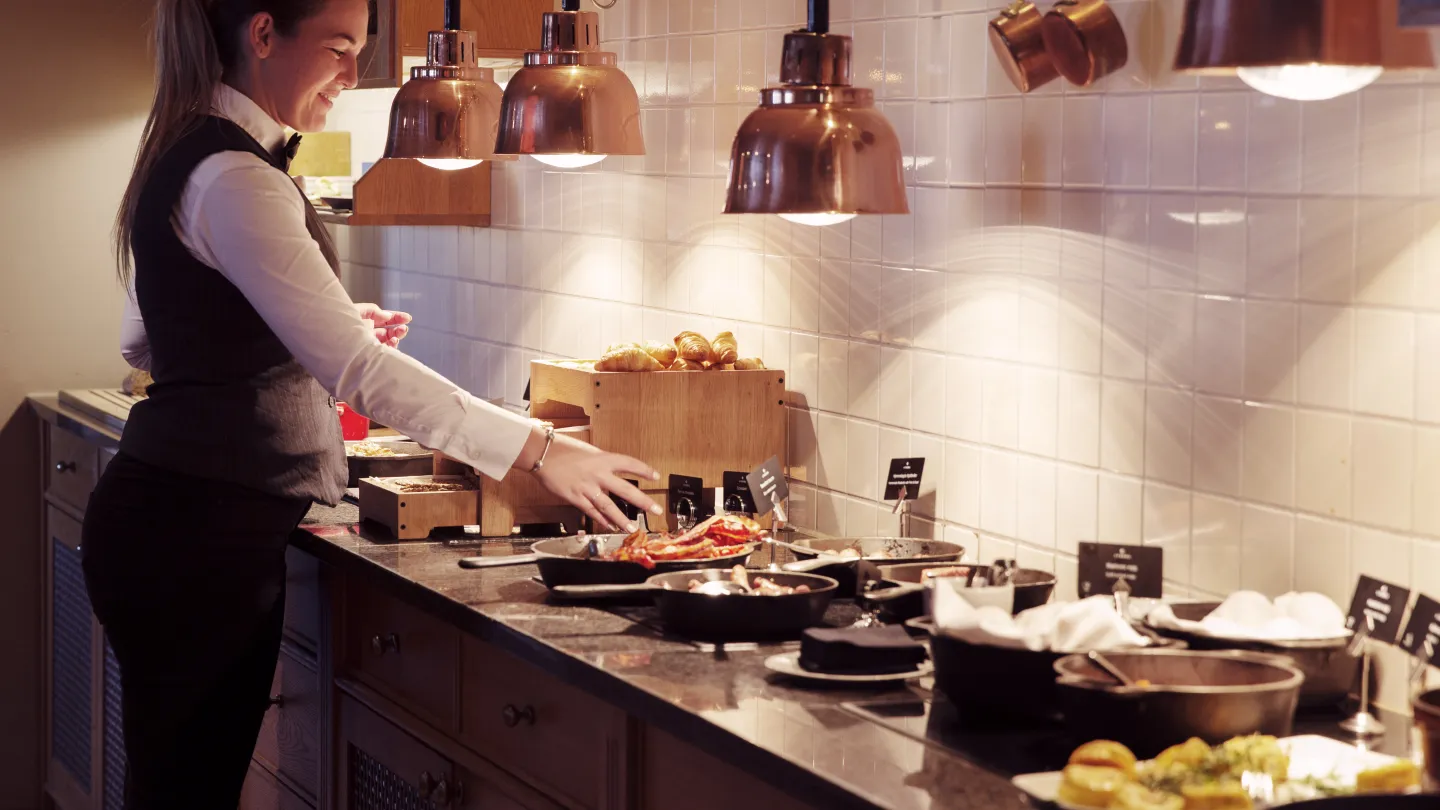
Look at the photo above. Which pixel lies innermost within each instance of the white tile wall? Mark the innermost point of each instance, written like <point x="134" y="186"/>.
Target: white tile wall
<point x="1159" y="310"/>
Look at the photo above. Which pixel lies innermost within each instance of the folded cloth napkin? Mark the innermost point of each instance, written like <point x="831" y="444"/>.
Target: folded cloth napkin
<point x="860" y="650"/>
<point x="1252" y="616"/>
<point x="1066" y="627"/>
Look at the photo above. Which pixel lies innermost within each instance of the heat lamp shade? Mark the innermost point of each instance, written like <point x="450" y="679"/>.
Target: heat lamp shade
<point x="444" y="119"/>
<point x="816" y="158"/>
<point x="570" y="110"/>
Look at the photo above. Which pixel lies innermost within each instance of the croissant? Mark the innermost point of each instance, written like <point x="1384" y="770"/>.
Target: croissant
<point x="686" y="365"/>
<point x="663" y="354"/>
<point x="723" y="350"/>
<point x="719" y="367"/>
<point x="693" y="346"/>
<point x="627" y="357"/>
<point x="749" y="364"/>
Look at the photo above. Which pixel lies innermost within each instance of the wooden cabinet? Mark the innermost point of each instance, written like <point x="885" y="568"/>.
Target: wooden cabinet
<point x="264" y="791"/>
<point x="403" y="653"/>
<point x="289" y="742"/>
<point x="74" y="738"/>
<point x="564" y="741"/>
<point x="676" y="774"/>
<point x="72" y="468"/>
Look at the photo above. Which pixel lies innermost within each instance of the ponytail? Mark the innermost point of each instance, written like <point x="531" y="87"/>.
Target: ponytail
<point x="196" y="41"/>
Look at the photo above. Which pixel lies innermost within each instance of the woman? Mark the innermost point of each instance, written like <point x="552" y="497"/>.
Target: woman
<point x="249" y="335"/>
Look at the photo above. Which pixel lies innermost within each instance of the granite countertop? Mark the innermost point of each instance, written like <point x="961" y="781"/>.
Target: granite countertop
<point x="826" y="746"/>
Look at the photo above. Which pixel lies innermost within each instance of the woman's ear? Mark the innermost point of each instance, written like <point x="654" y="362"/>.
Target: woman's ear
<point x="261" y="35"/>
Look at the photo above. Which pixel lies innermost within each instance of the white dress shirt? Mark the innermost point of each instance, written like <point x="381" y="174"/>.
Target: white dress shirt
<point x="241" y="216"/>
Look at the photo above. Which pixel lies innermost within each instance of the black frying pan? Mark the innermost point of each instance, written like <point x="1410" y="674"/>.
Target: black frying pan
<point x="877" y="550"/>
<point x="731" y="617"/>
<point x="561" y="562"/>
<point x="900" y="594"/>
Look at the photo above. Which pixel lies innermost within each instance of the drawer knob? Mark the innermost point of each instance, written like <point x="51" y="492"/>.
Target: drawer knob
<point x="65" y="466"/>
<point x="278" y="701"/>
<point x="427" y="784"/>
<point x="386" y="643"/>
<point x="440" y="796"/>
<point x="513" y="716"/>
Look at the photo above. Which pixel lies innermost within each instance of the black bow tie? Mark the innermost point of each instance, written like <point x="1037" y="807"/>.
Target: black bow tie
<point x="287" y="155"/>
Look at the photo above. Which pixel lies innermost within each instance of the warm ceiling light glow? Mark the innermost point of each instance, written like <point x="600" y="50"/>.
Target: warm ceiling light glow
<point x="570" y="106"/>
<point x="1306" y="50"/>
<point x="449" y="164"/>
<point x="569" y="161"/>
<point x="818" y="220"/>
<point x="1312" y="82"/>
<point x="816" y="151"/>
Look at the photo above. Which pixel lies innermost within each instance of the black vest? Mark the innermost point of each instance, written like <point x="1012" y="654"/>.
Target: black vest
<point x="229" y="401"/>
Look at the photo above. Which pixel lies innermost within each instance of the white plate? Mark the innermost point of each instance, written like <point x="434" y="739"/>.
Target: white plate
<point x="789" y="664"/>
<point x="1310" y="756"/>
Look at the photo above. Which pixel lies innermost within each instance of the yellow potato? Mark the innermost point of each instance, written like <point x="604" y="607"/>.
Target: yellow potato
<point x="1190" y="753"/>
<point x="1091" y="785"/>
<point x="1216" y="796"/>
<point x="1136" y="796"/>
<point x="1396" y="777"/>
<point x="1105" y="754"/>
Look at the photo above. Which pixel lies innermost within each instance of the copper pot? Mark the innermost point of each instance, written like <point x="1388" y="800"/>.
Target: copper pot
<point x="1019" y="46"/>
<point x="1084" y="40"/>
<point x="1427" y="716"/>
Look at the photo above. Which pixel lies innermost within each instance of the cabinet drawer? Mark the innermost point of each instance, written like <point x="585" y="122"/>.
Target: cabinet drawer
<point x="74" y="467"/>
<point x="403" y="653"/>
<point x="302" y="598"/>
<point x="263" y="791"/>
<point x="675" y="774"/>
<point x="289" y="742"/>
<point x="566" y="741"/>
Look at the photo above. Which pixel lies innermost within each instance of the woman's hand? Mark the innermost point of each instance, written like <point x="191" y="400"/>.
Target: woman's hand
<point x="390" y="327"/>
<point x="587" y="476"/>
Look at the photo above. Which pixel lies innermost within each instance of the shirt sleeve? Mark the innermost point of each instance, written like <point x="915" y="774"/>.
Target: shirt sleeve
<point x="250" y="219"/>
<point x="134" y="343"/>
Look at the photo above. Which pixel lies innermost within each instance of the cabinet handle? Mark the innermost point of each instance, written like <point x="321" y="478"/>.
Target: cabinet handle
<point x="427" y="785"/>
<point x="513" y="716"/>
<point x="65" y="466"/>
<point x="278" y="701"/>
<point x="440" y="796"/>
<point x="387" y="643"/>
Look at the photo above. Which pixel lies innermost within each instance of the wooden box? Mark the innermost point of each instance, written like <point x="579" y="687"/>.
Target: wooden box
<point x="413" y="515"/>
<point x="697" y="423"/>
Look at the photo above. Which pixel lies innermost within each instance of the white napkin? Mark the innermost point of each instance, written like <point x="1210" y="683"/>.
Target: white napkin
<point x="1066" y="627"/>
<point x="1252" y="616"/>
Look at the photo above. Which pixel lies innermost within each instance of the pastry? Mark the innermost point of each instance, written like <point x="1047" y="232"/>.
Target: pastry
<point x="693" y="346"/>
<point x="1190" y="753"/>
<point x="723" y="349"/>
<point x="1090" y="785"/>
<point x="627" y="357"/>
<point x="749" y="364"/>
<point x="663" y="353"/>
<point x="682" y="364"/>
<point x="1105" y="754"/>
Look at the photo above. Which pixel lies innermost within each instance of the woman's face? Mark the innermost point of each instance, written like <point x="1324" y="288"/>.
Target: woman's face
<point x="302" y="74"/>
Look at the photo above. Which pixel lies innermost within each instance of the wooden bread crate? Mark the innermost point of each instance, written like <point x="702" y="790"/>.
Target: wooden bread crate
<point x="697" y="423"/>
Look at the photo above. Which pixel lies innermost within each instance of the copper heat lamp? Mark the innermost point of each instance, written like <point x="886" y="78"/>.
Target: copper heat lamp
<point x="570" y="106"/>
<point x="446" y="115"/>
<point x="1300" y="49"/>
<point x="816" y="152"/>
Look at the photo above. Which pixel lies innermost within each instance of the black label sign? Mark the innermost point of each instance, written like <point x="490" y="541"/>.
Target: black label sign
<point x="905" y="473"/>
<point x="526" y="396"/>
<point x="768" y="486"/>
<point x="1422" y="633"/>
<point x="1419" y="13"/>
<point x="737" y="497"/>
<point x="686" y="493"/>
<point x="1376" y="609"/>
<point x="630" y="510"/>
<point x="1102" y="565"/>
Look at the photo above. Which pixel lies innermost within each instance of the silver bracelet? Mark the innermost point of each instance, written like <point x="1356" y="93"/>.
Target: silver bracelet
<point x="549" y="439"/>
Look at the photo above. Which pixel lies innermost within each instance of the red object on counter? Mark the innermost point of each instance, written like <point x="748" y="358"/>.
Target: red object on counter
<point x="353" y="425"/>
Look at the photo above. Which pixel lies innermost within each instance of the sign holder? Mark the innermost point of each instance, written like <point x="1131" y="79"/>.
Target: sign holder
<point x="902" y="508"/>
<point x="1363" y="723"/>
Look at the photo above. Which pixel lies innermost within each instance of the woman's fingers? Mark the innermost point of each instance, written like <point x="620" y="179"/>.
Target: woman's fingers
<point x="584" y="505"/>
<point x="621" y="465"/>
<point x="631" y="493"/>
<point x="612" y="514"/>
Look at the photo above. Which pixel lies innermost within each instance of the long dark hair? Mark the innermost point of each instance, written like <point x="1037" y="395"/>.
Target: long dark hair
<point x="196" y="43"/>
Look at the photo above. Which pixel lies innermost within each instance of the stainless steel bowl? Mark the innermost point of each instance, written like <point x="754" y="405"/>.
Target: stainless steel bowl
<point x="1212" y="695"/>
<point x="1330" y="669"/>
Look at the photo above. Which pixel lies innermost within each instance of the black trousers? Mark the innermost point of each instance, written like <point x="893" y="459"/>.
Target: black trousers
<point x="187" y="576"/>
